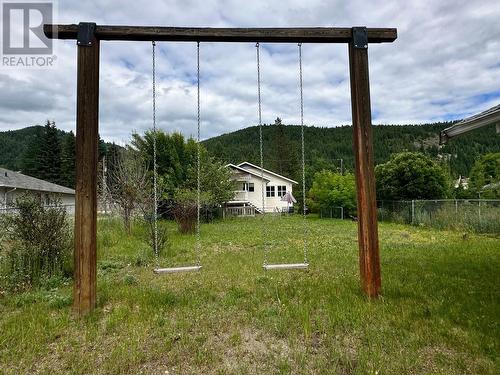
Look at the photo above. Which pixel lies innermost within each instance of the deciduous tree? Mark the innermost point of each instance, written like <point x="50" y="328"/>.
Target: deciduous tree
<point x="410" y="175"/>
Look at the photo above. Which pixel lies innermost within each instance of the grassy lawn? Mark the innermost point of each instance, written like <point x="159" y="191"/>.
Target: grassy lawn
<point x="439" y="312"/>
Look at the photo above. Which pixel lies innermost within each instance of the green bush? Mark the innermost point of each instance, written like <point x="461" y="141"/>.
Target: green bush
<point x="332" y="189"/>
<point x="410" y="175"/>
<point x="185" y="210"/>
<point x="36" y="244"/>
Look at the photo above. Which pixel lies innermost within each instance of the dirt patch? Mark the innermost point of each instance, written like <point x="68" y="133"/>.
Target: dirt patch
<point x="249" y="350"/>
<point x="440" y="359"/>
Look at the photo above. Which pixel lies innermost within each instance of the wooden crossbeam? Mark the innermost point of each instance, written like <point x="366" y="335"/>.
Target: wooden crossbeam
<point x="208" y="34"/>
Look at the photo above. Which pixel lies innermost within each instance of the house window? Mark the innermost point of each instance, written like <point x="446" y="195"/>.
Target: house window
<point x="10" y="200"/>
<point x="269" y="191"/>
<point x="248" y="186"/>
<point x="281" y="190"/>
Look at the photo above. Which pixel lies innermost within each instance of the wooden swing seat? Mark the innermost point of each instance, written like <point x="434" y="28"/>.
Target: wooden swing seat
<point x="285" y="266"/>
<point x="177" y="269"/>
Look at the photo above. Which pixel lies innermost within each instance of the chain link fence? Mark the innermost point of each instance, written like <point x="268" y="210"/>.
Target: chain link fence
<point x="332" y="213"/>
<point x="476" y="215"/>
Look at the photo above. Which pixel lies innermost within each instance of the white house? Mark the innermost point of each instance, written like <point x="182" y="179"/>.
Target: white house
<point x="14" y="184"/>
<point x="248" y="191"/>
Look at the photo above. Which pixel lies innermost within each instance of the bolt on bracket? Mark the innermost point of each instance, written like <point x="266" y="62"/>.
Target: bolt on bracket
<point x="360" y="37"/>
<point x="86" y="32"/>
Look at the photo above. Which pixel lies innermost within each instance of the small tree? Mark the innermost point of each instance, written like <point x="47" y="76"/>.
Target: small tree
<point x="331" y="189"/>
<point x="131" y="189"/>
<point x="410" y="175"/>
<point x="215" y="179"/>
<point x="185" y="210"/>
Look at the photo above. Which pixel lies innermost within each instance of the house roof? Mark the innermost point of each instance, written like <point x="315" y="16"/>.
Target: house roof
<point x="266" y="171"/>
<point x="488" y="117"/>
<point x="246" y="171"/>
<point x="491" y="186"/>
<point x="11" y="179"/>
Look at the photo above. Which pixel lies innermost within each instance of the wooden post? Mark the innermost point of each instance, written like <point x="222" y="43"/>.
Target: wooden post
<point x="87" y="139"/>
<point x="369" y="259"/>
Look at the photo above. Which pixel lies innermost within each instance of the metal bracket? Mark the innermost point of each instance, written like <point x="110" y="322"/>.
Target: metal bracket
<point x="86" y="32"/>
<point x="360" y="37"/>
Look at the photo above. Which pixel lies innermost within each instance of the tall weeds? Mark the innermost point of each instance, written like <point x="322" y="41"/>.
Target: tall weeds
<point x="36" y="244"/>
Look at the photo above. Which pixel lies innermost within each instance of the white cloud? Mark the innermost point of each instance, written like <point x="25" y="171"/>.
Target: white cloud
<point x="445" y="64"/>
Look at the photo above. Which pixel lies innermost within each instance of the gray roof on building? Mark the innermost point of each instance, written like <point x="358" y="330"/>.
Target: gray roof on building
<point x="241" y="165"/>
<point x="488" y="117"/>
<point x="493" y="185"/>
<point x="11" y="179"/>
<point x="245" y="171"/>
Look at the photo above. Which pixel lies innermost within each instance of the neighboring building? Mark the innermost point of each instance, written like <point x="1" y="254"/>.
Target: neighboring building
<point x="462" y="182"/>
<point x="14" y="184"/>
<point x="248" y="193"/>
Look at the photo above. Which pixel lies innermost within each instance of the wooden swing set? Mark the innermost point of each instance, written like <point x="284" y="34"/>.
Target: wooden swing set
<point x="89" y="36"/>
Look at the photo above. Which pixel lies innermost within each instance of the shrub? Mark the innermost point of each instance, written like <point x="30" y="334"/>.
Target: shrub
<point x="36" y="243"/>
<point x="332" y="189"/>
<point x="161" y="230"/>
<point x="410" y="175"/>
<point x="185" y="210"/>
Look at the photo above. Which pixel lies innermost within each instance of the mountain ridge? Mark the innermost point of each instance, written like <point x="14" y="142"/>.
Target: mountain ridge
<point x="323" y="144"/>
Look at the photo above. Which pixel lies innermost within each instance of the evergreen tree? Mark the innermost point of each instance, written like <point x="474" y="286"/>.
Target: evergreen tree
<point x="32" y="161"/>
<point x="68" y="160"/>
<point x="51" y="154"/>
<point x="283" y="159"/>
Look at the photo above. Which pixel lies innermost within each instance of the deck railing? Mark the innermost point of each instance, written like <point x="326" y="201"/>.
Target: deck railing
<point x="239" y="211"/>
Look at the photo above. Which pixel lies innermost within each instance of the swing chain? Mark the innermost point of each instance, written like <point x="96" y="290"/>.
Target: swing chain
<point x="257" y="45"/>
<point x="198" y="162"/>
<point x="155" y="167"/>
<point x="303" y="154"/>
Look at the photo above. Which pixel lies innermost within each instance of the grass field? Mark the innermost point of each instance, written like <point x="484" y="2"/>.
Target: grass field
<point x="439" y="313"/>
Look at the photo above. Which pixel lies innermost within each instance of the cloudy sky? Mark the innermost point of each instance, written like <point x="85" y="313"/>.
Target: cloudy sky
<point x="444" y="65"/>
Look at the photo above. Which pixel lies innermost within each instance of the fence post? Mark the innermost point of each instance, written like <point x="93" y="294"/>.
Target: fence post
<point x="479" y="211"/>
<point x="413" y="212"/>
<point x="331" y="212"/>
<point x="342" y="212"/>
<point x="456" y="206"/>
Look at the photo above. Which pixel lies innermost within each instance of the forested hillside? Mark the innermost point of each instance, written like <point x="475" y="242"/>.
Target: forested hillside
<point x="42" y="151"/>
<point x="14" y="143"/>
<point x="324" y="146"/>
